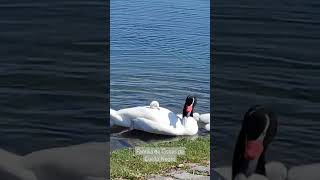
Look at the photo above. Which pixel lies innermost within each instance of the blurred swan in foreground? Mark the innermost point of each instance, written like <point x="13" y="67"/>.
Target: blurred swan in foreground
<point x="158" y="120"/>
<point x="259" y="127"/>
<point x="79" y="162"/>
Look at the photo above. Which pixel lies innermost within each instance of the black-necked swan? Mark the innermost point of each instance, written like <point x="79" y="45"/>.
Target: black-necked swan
<point x="158" y="120"/>
<point x="258" y="129"/>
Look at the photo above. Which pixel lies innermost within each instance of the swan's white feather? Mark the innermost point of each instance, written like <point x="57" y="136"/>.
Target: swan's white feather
<point x="156" y="128"/>
<point x="116" y="119"/>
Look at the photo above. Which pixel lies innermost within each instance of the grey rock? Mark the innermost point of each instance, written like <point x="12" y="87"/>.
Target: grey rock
<point x="185" y="175"/>
<point x="203" y="169"/>
<point x="158" y="177"/>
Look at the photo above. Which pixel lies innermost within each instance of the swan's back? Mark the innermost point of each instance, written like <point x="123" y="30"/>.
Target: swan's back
<point x="161" y="115"/>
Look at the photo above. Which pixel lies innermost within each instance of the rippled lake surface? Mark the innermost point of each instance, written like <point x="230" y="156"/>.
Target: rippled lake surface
<point x="159" y="51"/>
<point x="268" y="53"/>
<point x="52" y="64"/>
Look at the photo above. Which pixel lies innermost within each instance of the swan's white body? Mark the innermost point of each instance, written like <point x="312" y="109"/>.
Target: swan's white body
<point x="80" y="162"/>
<point x="204" y="118"/>
<point x="154" y="119"/>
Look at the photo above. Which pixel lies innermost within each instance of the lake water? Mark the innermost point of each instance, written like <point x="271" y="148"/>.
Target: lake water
<point x="267" y="53"/>
<point x="53" y="74"/>
<point x="159" y="51"/>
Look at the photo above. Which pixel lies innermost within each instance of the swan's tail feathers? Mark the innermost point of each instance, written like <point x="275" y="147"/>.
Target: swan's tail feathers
<point x="114" y="115"/>
<point x="116" y="119"/>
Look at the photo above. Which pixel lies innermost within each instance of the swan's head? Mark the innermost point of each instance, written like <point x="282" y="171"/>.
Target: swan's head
<point x="154" y="105"/>
<point x="189" y="105"/>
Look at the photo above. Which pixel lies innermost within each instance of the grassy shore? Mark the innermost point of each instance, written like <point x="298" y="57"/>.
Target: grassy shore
<point x="125" y="164"/>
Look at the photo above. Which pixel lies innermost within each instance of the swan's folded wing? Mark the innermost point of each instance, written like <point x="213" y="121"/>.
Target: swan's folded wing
<point x="155" y="127"/>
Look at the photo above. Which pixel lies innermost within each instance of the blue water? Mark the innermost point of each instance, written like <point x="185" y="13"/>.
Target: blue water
<point x="268" y="53"/>
<point x="52" y="90"/>
<point x="160" y="51"/>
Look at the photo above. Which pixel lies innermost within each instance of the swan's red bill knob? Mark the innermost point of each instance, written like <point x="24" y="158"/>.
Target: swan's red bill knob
<point x="253" y="149"/>
<point x="189" y="109"/>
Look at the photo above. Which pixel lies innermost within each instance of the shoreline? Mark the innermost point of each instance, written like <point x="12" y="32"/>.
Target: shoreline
<point x="195" y="162"/>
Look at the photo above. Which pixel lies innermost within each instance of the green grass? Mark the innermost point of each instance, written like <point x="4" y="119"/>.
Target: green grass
<point x="125" y="164"/>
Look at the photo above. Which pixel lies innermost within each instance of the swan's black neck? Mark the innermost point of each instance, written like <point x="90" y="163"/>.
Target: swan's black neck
<point x="258" y="122"/>
<point x="190" y="103"/>
<point x="185" y="113"/>
<point x="241" y="165"/>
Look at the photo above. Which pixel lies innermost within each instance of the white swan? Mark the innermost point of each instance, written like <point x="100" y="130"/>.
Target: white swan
<point x="158" y="120"/>
<point x="204" y="118"/>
